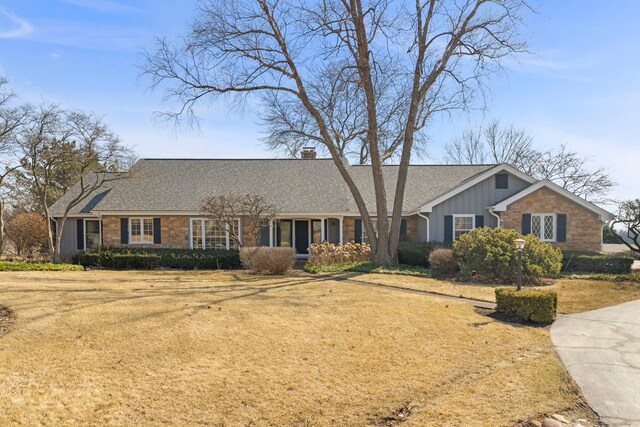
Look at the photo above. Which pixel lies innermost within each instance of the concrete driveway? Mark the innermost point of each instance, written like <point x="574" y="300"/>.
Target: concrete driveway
<point x="601" y="350"/>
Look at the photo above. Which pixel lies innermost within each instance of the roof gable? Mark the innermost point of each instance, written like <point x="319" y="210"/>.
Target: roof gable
<point x="503" y="167"/>
<point x="503" y="205"/>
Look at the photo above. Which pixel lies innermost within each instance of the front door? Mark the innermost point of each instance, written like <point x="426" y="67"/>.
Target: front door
<point x="301" y="229"/>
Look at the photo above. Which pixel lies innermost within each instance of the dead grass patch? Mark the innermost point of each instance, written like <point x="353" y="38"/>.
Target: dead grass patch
<point x="228" y="348"/>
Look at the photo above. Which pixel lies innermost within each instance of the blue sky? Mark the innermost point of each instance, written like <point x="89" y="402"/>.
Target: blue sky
<point x="581" y="88"/>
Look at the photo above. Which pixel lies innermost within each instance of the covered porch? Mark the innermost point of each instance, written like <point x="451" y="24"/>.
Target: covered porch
<point x="300" y="232"/>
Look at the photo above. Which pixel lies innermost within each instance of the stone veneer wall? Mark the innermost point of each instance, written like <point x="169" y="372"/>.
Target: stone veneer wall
<point x="584" y="229"/>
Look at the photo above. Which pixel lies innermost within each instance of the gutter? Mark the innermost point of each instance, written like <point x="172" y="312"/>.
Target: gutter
<point x="492" y="212"/>
<point x="428" y="223"/>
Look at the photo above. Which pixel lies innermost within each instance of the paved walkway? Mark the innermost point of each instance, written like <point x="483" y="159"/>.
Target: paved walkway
<point x="601" y="350"/>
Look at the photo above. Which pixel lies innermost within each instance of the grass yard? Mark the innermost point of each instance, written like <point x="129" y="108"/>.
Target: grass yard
<point x="574" y="294"/>
<point x="231" y="349"/>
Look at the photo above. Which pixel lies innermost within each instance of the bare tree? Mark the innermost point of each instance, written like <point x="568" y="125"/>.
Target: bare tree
<point x="628" y="216"/>
<point x="224" y="210"/>
<point x="368" y="74"/>
<point x="12" y="120"/>
<point x="76" y="143"/>
<point x="496" y="144"/>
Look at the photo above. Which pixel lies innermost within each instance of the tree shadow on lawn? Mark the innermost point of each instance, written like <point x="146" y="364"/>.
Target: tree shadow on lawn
<point x="110" y="296"/>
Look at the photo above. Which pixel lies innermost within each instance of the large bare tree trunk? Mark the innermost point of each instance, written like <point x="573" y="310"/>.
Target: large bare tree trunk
<point x="2" y="235"/>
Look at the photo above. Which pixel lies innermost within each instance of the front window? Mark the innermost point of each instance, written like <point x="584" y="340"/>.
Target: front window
<point x="543" y="226"/>
<point x="92" y="233"/>
<point x="365" y="238"/>
<point x="141" y="230"/>
<point x="462" y="224"/>
<point x="205" y="235"/>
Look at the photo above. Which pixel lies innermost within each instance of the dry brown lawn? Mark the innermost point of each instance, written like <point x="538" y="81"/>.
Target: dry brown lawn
<point x="231" y="349"/>
<point x="574" y="295"/>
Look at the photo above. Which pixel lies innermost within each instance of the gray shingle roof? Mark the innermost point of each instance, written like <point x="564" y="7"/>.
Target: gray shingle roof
<point x="295" y="186"/>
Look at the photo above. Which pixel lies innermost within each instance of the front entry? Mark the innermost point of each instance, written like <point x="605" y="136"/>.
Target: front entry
<point x="301" y="229"/>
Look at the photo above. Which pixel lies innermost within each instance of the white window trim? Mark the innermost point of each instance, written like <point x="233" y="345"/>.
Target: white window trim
<point x="153" y="237"/>
<point x="84" y="225"/>
<point x="555" y="226"/>
<point x="473" y="223"/>
<point x="202" y="230"/>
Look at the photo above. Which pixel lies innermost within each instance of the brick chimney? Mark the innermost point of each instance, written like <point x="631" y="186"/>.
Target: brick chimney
<point x="308" y="153"/>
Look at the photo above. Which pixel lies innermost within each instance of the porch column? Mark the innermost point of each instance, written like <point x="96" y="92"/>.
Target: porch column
<point x="271" y="233"/>
<point x="322" y="230"/>
<point x="341" y="229"/>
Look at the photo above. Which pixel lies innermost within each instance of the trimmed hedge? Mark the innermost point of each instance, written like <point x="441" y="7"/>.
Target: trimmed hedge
<point x="417" y="253"/>
<point x="594" y="262"/>
<point x="152" y="258"/>
<point x="529" y="305"/>
<point x="28" y="266"/>
<point x="368" y="267"/>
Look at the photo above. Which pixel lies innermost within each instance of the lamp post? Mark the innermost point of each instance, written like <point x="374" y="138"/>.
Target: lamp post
<point x="520" y="246"/>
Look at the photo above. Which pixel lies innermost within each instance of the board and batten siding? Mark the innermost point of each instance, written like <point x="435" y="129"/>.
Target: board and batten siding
<point x="69" y="242"/>
<point x="474" y="200"/>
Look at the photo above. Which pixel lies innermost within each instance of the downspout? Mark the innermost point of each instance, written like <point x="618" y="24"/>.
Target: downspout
<point x="428" y="224"/>
<point x="492" y="212"/>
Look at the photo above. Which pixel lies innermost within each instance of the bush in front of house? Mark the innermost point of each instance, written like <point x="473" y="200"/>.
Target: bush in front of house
<point x="529" y="305"/>
<point x="443" y="263"/>
<point x="330" y="253"/>
<point x="37" y="266"/>
<point x="489" y="255"/>
<point x="594" y="262"/>
<point x="153" y="258"/>
<point x="267" y="260"/>
<point x="417" y="253"/>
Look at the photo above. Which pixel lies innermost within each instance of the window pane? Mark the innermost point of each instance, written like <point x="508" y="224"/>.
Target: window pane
<point x="92" y="233"/>
<point x="548" y="227"/>
<point x="214" y="237"/>
<point x="365" y="238"/>
<point x="460" y="233"/>
<point x="196" y="234"/>
<point x="135" y="230"/>
<point x="536" y="226"/>
<point x="316" y="231"/>
<point x="148" y="230"/>
<point x="284" y="230"/>
<point x="464" y="223"/>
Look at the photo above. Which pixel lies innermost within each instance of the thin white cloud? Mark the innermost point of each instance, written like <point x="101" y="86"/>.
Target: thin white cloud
<point x="22" y="27"/>
<point x="107" y="6"/>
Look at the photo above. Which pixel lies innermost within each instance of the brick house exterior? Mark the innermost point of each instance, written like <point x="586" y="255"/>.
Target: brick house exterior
<point x="583" y="227"/>
<point x="441" y="202"/>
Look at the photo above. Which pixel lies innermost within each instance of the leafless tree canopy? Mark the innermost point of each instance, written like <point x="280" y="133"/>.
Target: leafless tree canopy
<point x="628" y="216"/>
<point x="360" y="78"/>
<point x="496" y="144"/>
<point x="56" y="141"/>
<point x="253" y="208"/>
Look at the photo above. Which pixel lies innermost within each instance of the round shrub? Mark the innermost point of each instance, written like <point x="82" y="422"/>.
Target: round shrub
<point x="267" y="260"/>
<point x="443" y="263"/>
<point x="491" y="254"/>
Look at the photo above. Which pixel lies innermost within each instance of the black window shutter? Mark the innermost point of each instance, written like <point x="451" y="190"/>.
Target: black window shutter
<point x="124" y="231"/>
<point x="448" y="228"/>
<point x="403" y="229"/>
<point x="526" y="224"/>
<point x="561" y="228"/>
<point x="479" y="221"/>
<point x="358" y="231"/>
<point x="157" y="237"/>
<point x="80" y="233"/>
